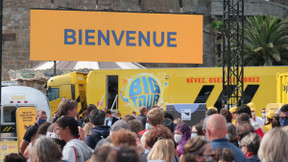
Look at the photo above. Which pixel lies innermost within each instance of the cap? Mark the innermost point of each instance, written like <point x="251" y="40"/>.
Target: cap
<point x="270" y="114"/>
<point x="212" y="107"/>
<point x="252" y="106"/>
<point x="233" y="109"/>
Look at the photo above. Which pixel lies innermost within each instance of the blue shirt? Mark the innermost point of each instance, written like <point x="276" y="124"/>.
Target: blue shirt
<point x="223" y="143"/>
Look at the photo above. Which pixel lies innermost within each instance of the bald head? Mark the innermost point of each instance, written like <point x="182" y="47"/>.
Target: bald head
<point x="216" y="127"/>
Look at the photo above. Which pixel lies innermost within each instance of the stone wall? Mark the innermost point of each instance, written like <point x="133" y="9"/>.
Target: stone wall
<point x="16" y="19"/>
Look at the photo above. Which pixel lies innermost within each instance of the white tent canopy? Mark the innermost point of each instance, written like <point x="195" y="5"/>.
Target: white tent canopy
<point x="80" y="65"/>
<point x="46" y="69"/>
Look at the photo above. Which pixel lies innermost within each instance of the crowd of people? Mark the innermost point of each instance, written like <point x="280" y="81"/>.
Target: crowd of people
<point x="234" y="134"/>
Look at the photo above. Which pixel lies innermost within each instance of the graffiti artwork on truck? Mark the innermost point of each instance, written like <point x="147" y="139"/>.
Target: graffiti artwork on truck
<point x="143" y="89"/>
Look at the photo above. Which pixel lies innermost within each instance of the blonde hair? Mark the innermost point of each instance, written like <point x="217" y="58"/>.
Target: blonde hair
<point x="273" y="146"/>
<point x="163" y="149"/>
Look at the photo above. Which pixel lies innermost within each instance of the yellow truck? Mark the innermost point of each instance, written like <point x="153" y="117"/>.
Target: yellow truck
<point x="127" y="90"/>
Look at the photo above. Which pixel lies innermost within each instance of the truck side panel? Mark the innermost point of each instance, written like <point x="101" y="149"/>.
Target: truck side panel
<point x="161" y="86"/>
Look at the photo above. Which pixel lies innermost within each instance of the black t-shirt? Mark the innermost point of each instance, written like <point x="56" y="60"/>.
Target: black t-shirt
<point x="30" y="133"/>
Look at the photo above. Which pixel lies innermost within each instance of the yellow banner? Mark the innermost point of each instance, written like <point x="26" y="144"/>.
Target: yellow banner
<point x="7" y="147"/>
<point x="116" y="36"/>
<point x="25" y="117"/>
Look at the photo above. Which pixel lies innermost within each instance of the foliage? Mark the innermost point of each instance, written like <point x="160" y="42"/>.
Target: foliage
<point x="266" y="41"/>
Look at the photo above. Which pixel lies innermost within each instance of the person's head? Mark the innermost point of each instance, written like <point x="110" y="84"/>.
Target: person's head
<point x="133" y="113"/>
<point x="42" y="130"/>
<point x="244" y="109"/>
<point x="211" y="112"/>
<point x="197" y="149"/>
<point x="250" y="143"/>
<point x="123" y="136"/>
<point x="86" y="113"/>
<point x="231" y="132"/>
<point x="243" y="129"/>
<point x="269" y="116"/>
<point x="119" y="124"/>
<point x="156" y="133"/>
<point x="226" y="114"/>
<point x="128" y="117"/>
<point x="41" y="117"/>
<point x="91" y="107"/>
<point x="123" y="153"/>
<point x="67" y="107"/>
<point x="263" y="112"/>
<point x="182" y="133"/>
<point x="13" y="157"/>
<point x="224" y="155"/>
<point x="143" y="110"/>
<point x="97" y="117"/>
<point x="45" y="150"/>
<point x="216" y="127"/>
<point x="243" y="117"/>
<point x="168" y="116"/>
<point x="232" y="111"/>
<point x="273" y="146"/>
<point x="66" y="127"/>
<point x="108" y="114"/>
<point x="155" y="116"/>
<point x="197" y="130"/>
<point x="135" y="125"/>
<point x="117" y="115"/>
<point x="178" y="121"/>
<point x="283" y="115"/>
<point x="163" y="149"/>
<point x="101" y="153"/>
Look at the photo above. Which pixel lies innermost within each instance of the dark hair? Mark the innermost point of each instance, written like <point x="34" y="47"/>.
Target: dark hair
<point x="210" y="112"/>
<point x="243" y="129"/>
<point x="142" y="110"/>
<point x="42" y="129"/>
<point x="243" y="118"/>
<point x="224" y="154"/>
<point x="97" y="117"/>
<point x="13" y="157"/>
<point x="243" y="109"/>
<point x="168" y="115"/>
<point x="123" y="153"/>
<point x="86" y="113"/>
<point x="199" y="127"/>
<point x="65" y="106"/>
<point x="69" y="122"/>
<point x="128" y="117"/>
<point x="135" y="125"/>
<point x="108" y="112"/>
<point x="284" y="108"/>
<point x="226" y="114"/>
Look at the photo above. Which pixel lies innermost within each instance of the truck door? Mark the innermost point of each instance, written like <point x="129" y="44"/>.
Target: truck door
<point x="112" y="92"/>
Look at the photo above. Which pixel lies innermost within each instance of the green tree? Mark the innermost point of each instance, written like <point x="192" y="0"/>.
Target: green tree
<point x="266" y="41"/>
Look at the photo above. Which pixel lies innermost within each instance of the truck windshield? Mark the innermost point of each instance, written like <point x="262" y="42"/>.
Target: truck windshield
<point x="53" y="93"/>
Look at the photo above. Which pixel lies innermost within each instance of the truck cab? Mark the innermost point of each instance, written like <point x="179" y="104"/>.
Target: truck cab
<point x="67" y="86"/>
